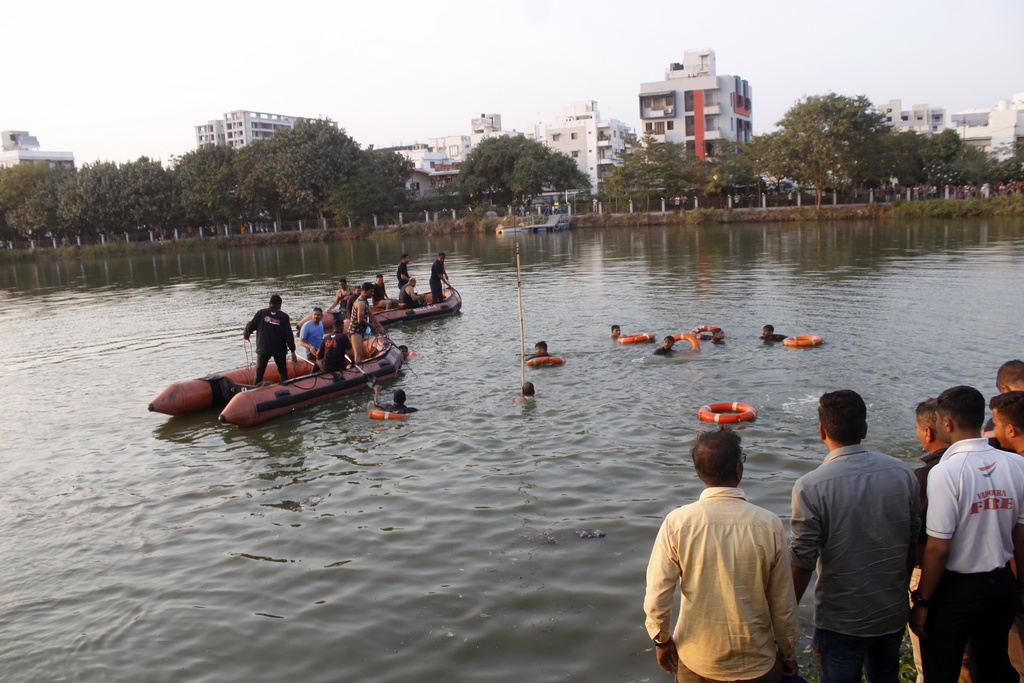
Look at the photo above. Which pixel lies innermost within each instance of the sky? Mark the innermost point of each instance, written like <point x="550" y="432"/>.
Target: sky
<point x="114" y="81"/>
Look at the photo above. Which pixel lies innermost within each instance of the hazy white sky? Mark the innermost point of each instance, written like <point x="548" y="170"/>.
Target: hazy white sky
<point x="112" y="80"/>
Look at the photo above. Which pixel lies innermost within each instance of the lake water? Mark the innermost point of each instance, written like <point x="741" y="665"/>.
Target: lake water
<point x="325" y="546"/>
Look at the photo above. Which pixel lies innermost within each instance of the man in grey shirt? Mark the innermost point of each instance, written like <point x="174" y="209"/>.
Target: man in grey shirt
<point x="855" y="519"/>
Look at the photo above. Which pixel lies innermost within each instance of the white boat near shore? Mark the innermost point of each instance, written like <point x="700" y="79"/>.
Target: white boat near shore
<point x="556" y="221"/>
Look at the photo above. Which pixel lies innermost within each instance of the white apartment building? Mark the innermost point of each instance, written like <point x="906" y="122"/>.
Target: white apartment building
<point x="595" y="144"/>
<point x="458" y="147"/>
<point x="239" y="128"/>
<point x="920" y="118"/>
<point x="696" y="106"/>
<point x="18" y="147"/>
<point x="994" y="130"/>
<point x="430" y="169"/>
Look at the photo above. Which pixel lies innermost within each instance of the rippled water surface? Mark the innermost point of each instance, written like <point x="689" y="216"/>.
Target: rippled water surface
<point x="325" y="546"/>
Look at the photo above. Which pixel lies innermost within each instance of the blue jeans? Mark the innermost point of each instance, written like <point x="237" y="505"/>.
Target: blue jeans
<point x="840" y="658"/>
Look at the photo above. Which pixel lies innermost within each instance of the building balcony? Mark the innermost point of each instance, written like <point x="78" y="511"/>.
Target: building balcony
<point x="712" y="109"/>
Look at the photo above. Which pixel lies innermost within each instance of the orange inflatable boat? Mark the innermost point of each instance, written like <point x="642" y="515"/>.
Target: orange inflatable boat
<point x="217" y="389"/>
<point x="264" y="403"/>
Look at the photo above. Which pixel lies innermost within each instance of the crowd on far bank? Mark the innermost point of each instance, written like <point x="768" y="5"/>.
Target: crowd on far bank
<point x="938" y="548"/>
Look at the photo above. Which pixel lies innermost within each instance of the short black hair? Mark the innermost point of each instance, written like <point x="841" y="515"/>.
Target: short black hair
<point x="964" y="405"/>
<point x="441" y="254"/>
<point x="317" y="309"/>
<point x="668" y="338"/>
<point x="528" y="389"/>
<point x="716" y="455"/>
<point x="1011" y="406"/>
<point x="403" y="256"/>
<point x="541" y="345"/>
<point x="843" y="416"/>
<point x="275" y="299"/>
<point x="615" y="327"/>
<point x="367" y="286"/>
<point x="400" y="396"/>
<point x="341" y="279"/>
<point x="925" y="412"/>
<point x="770" y="328"/>
<point x="1011" y="373"/>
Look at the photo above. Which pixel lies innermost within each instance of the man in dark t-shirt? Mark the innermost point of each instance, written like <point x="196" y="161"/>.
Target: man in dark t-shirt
<point x="403" y="272"/>
<point x="666" y="347"/>
<point x="438" y="275"/>
<point x="768" y="334"/>
<point x="274" y="338"/>
<point x="334" y="348"/>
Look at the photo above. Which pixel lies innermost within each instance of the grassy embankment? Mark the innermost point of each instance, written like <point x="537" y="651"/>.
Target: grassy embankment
<point x="971" y="208"/>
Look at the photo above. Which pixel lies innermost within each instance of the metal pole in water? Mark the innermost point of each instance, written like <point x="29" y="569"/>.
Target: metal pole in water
<point x="522" y="338"/>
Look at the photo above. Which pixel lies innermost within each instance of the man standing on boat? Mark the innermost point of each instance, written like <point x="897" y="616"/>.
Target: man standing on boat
<point x="360" y="322"/>
<point x="273" y="338"/>
<point x="437" y="276"/>
<point x="403" y="273"/>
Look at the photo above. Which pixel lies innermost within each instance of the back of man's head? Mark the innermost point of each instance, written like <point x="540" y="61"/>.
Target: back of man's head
<point x="400" y="396"/>
<point x="964" y="405"/>
<point x="339" y="323"/>
<point x="1011" y="376"/>
<point x="843" y="416"/>
<point x="1011" y="406"/>
<point x="926" y="412"/>
<point x="275" y="299"/>
<point x="716" y="457"/>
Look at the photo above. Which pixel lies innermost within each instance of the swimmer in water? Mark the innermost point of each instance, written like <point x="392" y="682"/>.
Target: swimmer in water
<point x="526" y="394"/>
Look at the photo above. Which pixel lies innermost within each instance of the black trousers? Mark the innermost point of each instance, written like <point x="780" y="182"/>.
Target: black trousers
<point x="261" y="365"/>
<point x="977" y="606"/>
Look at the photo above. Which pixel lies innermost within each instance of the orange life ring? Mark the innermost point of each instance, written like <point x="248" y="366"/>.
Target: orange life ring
<point x="378" y="414"/>
<point x="545" y="360"/>
<point x="636" y="338"/>
<point x="803" y="340"/>
<point x="704" y="328"/>
<point x="716" y="412"/>
<point x="690" y="337"/>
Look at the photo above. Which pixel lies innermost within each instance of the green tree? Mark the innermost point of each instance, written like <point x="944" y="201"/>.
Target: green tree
<point x="832" y="140"/>
<point x="207" y="183"/>
<point x="378" y="187"/>
<point x="259" y="194"/>
<point x="148" y="192"/>
<point x="509" y="168"/>
<point x="768" y="160"/>
<point x="17" y="185"/>
<point x="311" y="160"/>
<point x="94" y="200"/>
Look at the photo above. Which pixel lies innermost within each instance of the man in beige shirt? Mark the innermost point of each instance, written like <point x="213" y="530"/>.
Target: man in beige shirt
<point x="738" y="614"/>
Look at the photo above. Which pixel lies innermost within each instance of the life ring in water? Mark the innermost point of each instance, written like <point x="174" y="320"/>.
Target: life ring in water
<point x="378" y="414"/>
<point x="690" y="337"/>
<point x="636" y="338"/>
<point x="544" y="360"/>
<point x="704" y="328"/>
<point x="803" y="340"/>
<point x="737" y="412"/>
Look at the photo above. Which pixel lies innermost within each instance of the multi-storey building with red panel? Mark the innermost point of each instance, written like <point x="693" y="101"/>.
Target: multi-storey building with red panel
<point x="696" y="106"/>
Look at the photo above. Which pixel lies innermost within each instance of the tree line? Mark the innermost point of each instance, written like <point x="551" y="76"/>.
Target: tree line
<point x="313" y="168"/>
<point x="824" y="142"/>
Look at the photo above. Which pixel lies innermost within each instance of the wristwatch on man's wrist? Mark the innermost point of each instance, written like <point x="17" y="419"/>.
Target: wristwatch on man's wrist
<point x="662" y="643"/>
<point x="917" y="598"/>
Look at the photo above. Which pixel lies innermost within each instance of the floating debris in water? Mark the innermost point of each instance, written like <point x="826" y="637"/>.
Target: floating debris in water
<point x="589" y="533"/>
<point x="543" y="537"/>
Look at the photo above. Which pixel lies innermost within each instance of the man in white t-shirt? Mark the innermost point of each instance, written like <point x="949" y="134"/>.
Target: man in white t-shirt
<point x="975" y="526"/>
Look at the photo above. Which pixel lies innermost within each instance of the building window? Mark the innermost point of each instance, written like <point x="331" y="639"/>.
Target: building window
<point x="690" y="126"/>
<point x="575" y="154"/>
<point x="650" y="127"/>
<point x="688" y="100"/>
<point x="659" y="128"/>
<point x="555" y="136"/>
<point x="691" y="146"/>
<point x="710" y="98"/>
<point x="572" y="136"/>
<point x="670" y="125"/>
<point x="710" y="123"/>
